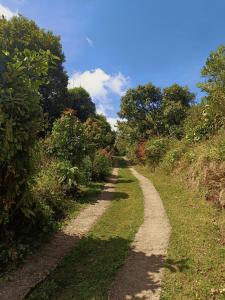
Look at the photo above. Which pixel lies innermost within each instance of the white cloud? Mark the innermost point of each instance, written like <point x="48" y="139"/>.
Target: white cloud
<point x="113" y="122"/>
<point x="101" y="86"/>
<point x="90" y="42"/>
<point x="6" y="12"/>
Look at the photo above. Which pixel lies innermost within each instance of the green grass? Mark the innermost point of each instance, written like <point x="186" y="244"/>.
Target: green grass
<point x="88" y="271"/>
<point x="197" y="242"/>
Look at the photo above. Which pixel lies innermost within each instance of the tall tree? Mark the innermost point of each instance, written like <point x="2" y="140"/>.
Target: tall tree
<point x="214" y="85"/>
<point x="21" y="33"/>
<point x="178" y="94"/>
<point x="80" y="101"/>
<point x="140" y="107"/>
<point x="175" y="103"/>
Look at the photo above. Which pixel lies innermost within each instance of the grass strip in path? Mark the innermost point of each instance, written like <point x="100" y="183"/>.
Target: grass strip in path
<point x="197" y="243"/>
<point x="88" y="271"/>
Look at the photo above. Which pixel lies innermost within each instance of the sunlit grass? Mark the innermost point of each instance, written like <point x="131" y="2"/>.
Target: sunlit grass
<point x="197" y="240"/>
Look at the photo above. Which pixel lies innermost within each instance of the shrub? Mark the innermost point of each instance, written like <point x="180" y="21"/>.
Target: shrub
<point x="201" y="123"/>
<point x="155" y="149"/>
<point x="20" y="120"/>
<point x="173" y="155"/>
<point x="101" y="166"/>
<point x="68" y="139"/>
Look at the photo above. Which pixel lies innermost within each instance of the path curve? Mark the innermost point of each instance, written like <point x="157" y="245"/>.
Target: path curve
<point x="140" y="276"/>
<point x="42" y="263"/>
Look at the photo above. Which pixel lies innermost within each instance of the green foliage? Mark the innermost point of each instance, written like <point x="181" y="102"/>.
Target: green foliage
<point x="150" y="112"/>
<point x="175" y="105"/>
<point x="101" y="166"/>
<point x="21" y="33"/>
<point x="201" y="123"/>
<point x="20" y="120"/>
<point x="68" y="139"/>
<point x="155" y="149"/>
<point x="178" y="94"/>
<point x="173" y="155"/>
<point x="214" y="85"/>
<point x="39" y="178"/>
<point x="80" y="101"/>
<point x="69" y="175"/>
<point x="99" y="133"/>
<point x="50" y="198"/>
<point x="140" y="108"/>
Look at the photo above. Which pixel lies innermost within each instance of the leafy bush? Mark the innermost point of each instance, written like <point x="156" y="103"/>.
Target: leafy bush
<point x="69" y="176"/>
<point x="68" y="139"/>
<point x="201" y="123"/>
<point x="20" y="120"/>
<point x="101" y="166"/>
<point x="49" y="193"/>
<point x="155" y="149"/>
<point x="173" y="155"/>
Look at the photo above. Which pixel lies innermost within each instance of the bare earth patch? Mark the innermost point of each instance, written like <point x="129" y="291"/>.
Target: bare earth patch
<point x="141" y="275"/>
<point x="38" y="266"/>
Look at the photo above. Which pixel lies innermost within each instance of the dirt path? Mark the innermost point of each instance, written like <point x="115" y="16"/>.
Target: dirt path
<point x="41" y="264"/>
<point x="140" y="277"/>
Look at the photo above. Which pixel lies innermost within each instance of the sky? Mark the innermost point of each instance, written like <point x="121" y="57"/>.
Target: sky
<point x="113" y="45"/>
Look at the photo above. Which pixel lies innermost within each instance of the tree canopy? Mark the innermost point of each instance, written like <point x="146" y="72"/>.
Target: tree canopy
<point x="21" y="33"/>
<point x="80" y="101"/>
<point x="153" y="111"/>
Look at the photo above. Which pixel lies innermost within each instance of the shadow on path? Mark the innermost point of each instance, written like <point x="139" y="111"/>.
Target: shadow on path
<point x="88" y="271"/>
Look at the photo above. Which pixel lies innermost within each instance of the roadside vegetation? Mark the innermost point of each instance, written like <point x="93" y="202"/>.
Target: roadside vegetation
<point x="178" y="143"/>
<point x="167" y="129"/>
<point x="88" y="271"/>
<point x="54" y="146"/>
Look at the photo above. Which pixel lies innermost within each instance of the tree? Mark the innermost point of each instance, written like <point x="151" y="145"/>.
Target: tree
<point x="214" y="85"/>
<point x="21" y="33"/>
<point x="140" y="107"/>
<point x="22" y="73"/>
<point x="178" y="94"/>
<point x="99" y="133"/>
<point x="175" y="103"/>
<point x="80" y="101"/>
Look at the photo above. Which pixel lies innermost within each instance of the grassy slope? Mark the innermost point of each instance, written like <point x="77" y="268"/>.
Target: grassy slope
<point x="197" y="243"/>
<point x="89" y="270"/>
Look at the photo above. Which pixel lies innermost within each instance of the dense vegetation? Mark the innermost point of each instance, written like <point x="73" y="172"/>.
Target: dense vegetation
<point x="166" y="128"/>
<point x="53" y="144"/>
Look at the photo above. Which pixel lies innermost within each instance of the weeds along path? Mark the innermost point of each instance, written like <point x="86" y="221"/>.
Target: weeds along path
<point x="21" y="281"/>
<point x="141" y="275"/>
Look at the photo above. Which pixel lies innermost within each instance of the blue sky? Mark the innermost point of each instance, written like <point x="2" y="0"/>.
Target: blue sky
<point x="111" y="45"/>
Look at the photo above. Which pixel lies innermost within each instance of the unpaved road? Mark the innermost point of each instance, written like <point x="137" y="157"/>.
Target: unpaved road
<point x="41" y="264"/>
<point x="141" y="275"/>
